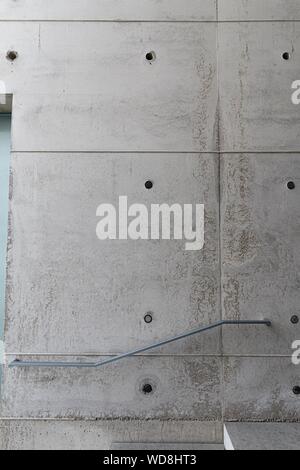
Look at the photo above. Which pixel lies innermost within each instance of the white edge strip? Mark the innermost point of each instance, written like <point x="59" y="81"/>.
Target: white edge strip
<point x="227" y="440"/>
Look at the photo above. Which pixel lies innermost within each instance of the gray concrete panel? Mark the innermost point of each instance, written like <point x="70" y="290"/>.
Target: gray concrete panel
<point x="134" y="10"/>
<point x="260" y="389"/>
<point x="263" y="436"/>
<point x="182" y="388"/>
<point x="259" y="10"/>
<point x="92" y="88"/>
<point x="85" y="435"/>
<point x="260" y="251"/>
<point x="70" y="293"/>
<point x="255" y="86"/>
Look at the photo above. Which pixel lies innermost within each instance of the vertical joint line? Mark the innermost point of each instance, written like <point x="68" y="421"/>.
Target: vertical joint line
<point x="218" y="114"/>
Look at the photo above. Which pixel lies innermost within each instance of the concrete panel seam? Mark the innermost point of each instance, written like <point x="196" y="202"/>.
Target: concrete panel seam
<point x="155" y="152"/>
<point x="112" y="354"/>
<point x="155" y="21"/>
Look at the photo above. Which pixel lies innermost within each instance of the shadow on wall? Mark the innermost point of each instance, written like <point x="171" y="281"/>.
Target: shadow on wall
<point x="5" y="140"/>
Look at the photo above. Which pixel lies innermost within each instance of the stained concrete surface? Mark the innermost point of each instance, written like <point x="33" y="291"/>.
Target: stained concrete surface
<point x="100" y="83"/>
<point x="260" y="389"/>
<point x="81" y="87"/>
<point x="166" y="446"/>
<point x="262" y="436"/>
<point x="150" y="10"/>
<point x="260" y="250"/>
<point x="258" y="10"/>
<point x="94" y="435"/>
<point x="256" y="112"/>
<point x="182" y="388"/>
<point x="71" y="293"/>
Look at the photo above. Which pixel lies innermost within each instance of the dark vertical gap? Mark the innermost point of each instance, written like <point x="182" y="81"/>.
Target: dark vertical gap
<point x="5" y="146"/>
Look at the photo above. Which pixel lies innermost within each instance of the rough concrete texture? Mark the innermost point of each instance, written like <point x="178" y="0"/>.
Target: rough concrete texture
<point x="182" y="388"/>
<point x="260" y="250"/>
<point x="263" y="436"/>
<point x="260" y="389"/>
<point x="259" y="10"/>
<point x="69" y="292"/>
<point x="99" y="82"/>
<point x="93" y="120"/>
<point x="257" y="114"/>
<point x="58" y="434"/>
<point x="165" y="446"/>
<point x="117" y="10"/>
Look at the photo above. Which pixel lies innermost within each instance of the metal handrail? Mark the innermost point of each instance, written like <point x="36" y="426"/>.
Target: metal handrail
<point x="18" y="363"/>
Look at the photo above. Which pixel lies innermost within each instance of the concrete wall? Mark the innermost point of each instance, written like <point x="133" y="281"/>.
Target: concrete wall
<point x="209" y="121"/>
<point x="4" y="191"/>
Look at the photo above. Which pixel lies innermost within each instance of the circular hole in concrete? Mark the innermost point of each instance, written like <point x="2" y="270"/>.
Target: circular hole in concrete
<point x="286" y="56"/>
<point x="149" y="185"/>
<point x="295" y="319"/>
<point x="296" y="390"/>
<point x="11" y="55"/>
<point x="291" y="185"/>
<point x="147" y="389"/>
<point x="147" y="386"/>
<point x="148" y="318"/>
<point x="151" y="56"/>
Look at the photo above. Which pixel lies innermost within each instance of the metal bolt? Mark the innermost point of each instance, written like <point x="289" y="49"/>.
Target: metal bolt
<point x="296" y="390"/>
<point x="295" y="319"/>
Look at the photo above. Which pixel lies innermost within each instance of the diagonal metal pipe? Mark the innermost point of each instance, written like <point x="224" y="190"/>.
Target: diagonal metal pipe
<point x="19" y="363"/>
